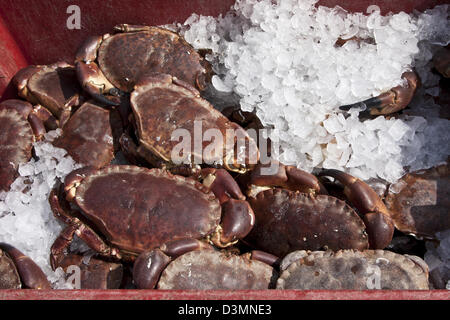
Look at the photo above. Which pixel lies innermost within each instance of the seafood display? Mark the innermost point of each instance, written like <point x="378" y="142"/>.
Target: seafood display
<point x="144" y="182"/>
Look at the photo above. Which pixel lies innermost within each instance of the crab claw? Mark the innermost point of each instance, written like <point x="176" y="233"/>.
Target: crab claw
<point x="20" y="80"/>
<point x="391" y="101"/>
<point x="241" y="154"/>
<point x="237" y="215"/>
<point x="276" y="174"/>
<point x="95" y="83"/>
<point x="221" y="183"/>
<point x="74" y="178"/>
<point x="377" y="218"/>
<point x="30" y="274"/>
<point x="149" y="265"/>
<point x="238" y="220"/>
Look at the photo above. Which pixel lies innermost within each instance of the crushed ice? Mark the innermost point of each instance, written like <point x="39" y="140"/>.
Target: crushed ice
<point x="280" y="59"/>
<point x="26" y="220"/>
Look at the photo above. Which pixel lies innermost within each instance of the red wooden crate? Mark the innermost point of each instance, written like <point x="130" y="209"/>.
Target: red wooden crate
<point x="35" y="32"/>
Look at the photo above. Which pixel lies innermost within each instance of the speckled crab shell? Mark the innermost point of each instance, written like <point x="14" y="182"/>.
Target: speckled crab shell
<point x="420" y="204"/>
<point x="162" y="104"/>
<point x="19" y="271"/>
<point x="138" y="209"/>
<point x="9" y="277"/>
<point x="125" y="57"/>
<point x="53" y="86"/>
<point x="353" y="270"/>
<point x="87" y="136"/>
<point x="16" y="143"/>
<point x="288" y="221"/>
<point x="216" y="270"/>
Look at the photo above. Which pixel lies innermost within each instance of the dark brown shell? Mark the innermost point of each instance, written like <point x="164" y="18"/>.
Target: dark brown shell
<point x="355" y="270"/>
<point x="139" y="209"/>
<point x="214" y="270"/>
<point x="125" y="57"/>
<point x="16" y="142"/>
<point x="288" y="221"/>
<point x="9" y="277"/>
<point x="87" y="136"/>
<point x="421" y="205"/>
<point x="95" y="273"/>
<point x="162" y="105"/>
<point x="54" y="87"/>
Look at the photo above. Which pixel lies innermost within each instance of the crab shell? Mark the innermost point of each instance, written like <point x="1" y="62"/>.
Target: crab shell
<point x="54" y="86"/>
<point x="19" y="271"/>
<point x="163" y="105"/>
<point x="9" y="277"/>
<point x="352" y="270"/>
<point x="87" y="136"/>
<point x="120" y="60"/>
<point x="421" y="202"/>
<point x="20" y="128"/>
<point x="288" y="221"/>
<point x="95" y="273"/>
<point x="137" y="209"/>
<point x="216" y="270"/>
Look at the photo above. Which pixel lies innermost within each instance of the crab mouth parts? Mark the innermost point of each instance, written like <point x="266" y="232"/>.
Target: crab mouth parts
<point x="215" y="238"/>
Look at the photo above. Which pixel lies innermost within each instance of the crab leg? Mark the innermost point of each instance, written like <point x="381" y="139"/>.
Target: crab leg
<point x="30" y="274"/>
<point x="50" y="122"/>
<point x="265" y="257"/>
<point x="76" y="227"/>
<point x="377" y="219"/>
<point x="130" y="28"/>
<point x="392" y="101"/>
<point x="149" y="265"/>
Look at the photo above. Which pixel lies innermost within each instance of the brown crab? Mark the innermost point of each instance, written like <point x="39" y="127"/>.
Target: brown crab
<point x="87" y="136"/>
<point x="19" y="271"/>
<point x="191" y="264"/>
<point x="54" y="87"/>
<point x="125" y="210"/>
<point x="20" y="128"/>
<point x="352" y="270"/>
<point x="110" y="64"/>
<point x="420" y="202"/>
<point x="166" y="109"/>
<point x="394" y="100"/>
<point x="294" y="212"/>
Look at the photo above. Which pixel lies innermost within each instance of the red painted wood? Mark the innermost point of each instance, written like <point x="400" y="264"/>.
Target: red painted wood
<point x="34" y="32"/>
<point x="221" y="295"/>
<point x="11" y="60"/>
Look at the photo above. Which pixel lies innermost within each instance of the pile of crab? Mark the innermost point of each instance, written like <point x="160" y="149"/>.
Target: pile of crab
<point x="224" y="223"/>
